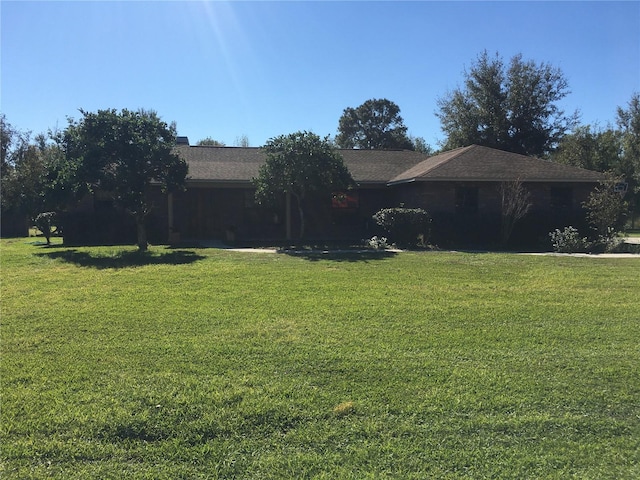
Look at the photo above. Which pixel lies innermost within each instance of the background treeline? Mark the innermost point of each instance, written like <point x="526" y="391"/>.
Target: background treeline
<point x="510" y="105"/>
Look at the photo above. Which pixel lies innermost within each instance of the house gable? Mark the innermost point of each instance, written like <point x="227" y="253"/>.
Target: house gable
<point x="482" y="164"/>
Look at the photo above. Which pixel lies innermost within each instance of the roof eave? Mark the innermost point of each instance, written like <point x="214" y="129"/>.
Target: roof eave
<point x="523" y="180"/>
<point x="202" y="181"/>
<point x="400" y="182"/>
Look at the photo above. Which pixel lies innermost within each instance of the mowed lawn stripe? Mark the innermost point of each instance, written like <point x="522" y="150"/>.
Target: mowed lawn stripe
<point x="204" y="363"/>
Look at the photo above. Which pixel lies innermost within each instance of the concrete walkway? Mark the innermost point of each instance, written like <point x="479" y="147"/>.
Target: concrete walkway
<point x="395" y="250"/>
<point x="586" y="255"/>
<point x="222" y="246"/>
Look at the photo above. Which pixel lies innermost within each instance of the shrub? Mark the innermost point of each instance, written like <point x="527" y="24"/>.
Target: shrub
<point x="44" y="223"/>
<point x="378" y="243"/>
<point x="609" y="241"/>
<point x="568" y="241"/>
<point x="606" y="211"/>
<point x="405" y="226"/>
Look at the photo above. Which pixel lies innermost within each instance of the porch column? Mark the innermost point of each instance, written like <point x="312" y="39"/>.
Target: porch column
<point x="288" y="215"/>
<point x="171" y="237"/>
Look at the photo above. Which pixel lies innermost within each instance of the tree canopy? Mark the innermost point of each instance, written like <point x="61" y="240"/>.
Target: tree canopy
<point x="241" y="141"/>
<point x="28" y="171"/>
<point x="616" y="151"/>
<point x="513" y="108"/>
<point x="376" y="124"/>
<point x="629" y="124"/>
<point x="14" y="146"/>
<point x="210" y="142"/>
<point x="590" y="147"/>
<point x="123" y="153"/>
<point x="300" y="164"/>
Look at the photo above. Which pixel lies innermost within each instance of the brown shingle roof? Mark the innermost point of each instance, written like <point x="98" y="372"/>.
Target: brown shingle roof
<point x="378" y="166"/>
<point x="238" y="164"/>
<point x="223" y="164"/>
<point x="477" y="163"/>
<point x="473" y="163"/>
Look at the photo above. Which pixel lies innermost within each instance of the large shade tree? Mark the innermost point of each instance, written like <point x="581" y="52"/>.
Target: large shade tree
<point x="376" y="124"/>
<point x="123" y="153"/>
<point x="34" y="174"/>
<point x="15" y="152"/>
<point x="629" y="123"/>
<point x="592" y="148"/>
<point x="511" y="107"/>
<point x="24" y="184"/>
<point x="300" y="165"/>
<point x="25" y="179"/>
<point x="612" y="150"/>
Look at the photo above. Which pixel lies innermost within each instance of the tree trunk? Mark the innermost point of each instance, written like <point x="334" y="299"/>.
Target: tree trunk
<point x="515" y="205"/>
<point x="508" y="222"/>
<point x="288" y="215"/>
<point x="142" y="233"/>
<point x="301" y="214"/>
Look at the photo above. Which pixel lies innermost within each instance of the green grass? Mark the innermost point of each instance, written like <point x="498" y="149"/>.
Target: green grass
<point x="203" y="363"/>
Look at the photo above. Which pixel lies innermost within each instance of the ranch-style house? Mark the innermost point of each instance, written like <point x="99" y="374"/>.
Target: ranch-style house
<point x="459" y="188"/>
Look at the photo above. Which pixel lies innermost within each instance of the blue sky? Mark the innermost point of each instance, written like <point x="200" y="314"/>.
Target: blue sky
<point x="262" y="69"/>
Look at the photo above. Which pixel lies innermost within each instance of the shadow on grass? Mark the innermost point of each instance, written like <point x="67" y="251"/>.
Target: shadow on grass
<point x="124" y="259"/>
<point x="340" y="255"/>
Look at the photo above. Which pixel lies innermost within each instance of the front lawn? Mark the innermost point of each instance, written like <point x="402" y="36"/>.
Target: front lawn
<point x="205" y="363"/>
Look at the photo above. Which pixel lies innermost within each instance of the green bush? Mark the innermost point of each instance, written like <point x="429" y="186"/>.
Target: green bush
<point x="405" y="226"/>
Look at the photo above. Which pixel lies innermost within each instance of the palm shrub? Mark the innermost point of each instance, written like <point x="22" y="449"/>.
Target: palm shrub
<point x="44" y="223"/>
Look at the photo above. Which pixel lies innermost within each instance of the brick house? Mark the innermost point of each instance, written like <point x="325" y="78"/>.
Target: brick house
<point x="459" y="188"/>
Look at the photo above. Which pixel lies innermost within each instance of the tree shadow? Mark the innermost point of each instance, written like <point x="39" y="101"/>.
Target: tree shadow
<point x="340" y="255"/>
<point x="126" y="259"/>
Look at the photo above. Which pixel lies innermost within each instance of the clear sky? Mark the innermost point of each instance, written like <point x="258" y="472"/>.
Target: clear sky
<point x="262" y="69"/>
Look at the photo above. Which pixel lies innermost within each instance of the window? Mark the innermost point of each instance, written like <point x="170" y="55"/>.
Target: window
<point x="561" y="197"/>
<point x="467" y="200"/>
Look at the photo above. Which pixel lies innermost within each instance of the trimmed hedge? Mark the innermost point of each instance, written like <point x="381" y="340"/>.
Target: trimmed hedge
<point x="408" y="227"/>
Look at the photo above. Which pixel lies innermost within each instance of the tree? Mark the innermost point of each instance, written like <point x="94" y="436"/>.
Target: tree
<point x="23" y="185"/>
<point x="13" y="147"/>
<point x="591" y="148"/>
<point x="629" y="123"/>
<point x="515" y="205"/>
<point x="420" y="145"/>
<point x="23" y="171"/>
<point x="210" y="142"/>
<point x="32" y="174"/>
<point x="301" y="165"/>
<point x="9" y="136"/>
<point x="44" y="222"/>
<point x="242" y="141"/>
<point x="513" y="109"/>
<point x="123" y="153"/>
<point x="608" y="150"/>
<point x="606" y="209"/>
<point x="376" y="124"/>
